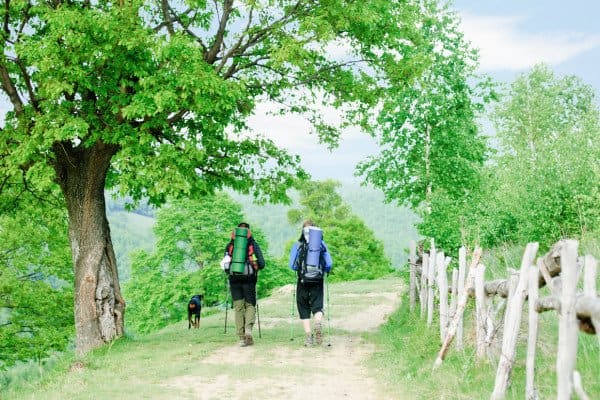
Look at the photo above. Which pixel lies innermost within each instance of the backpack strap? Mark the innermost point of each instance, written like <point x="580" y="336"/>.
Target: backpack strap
<point x="300" y="255"/>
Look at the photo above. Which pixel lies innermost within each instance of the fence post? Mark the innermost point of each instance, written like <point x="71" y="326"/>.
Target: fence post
<point x="480" y="311"/>
<point x="512" y="319"/>
<point x="454" y="291"/>
<point x="413" y="275"/>
<point x="590" y="271"/>
<point x="424" y="289"/>
<point x="567" y="325"/>
<point x="460" y="309"/>
<point x="534" y="273"/>
<point x="443" y="286"/>
<point x="430" y="283"/>
<point x="462" y="270"/>
<point x="590" y="268"/>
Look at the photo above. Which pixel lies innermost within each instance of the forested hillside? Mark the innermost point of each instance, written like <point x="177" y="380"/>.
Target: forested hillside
<point x="393" y="225"/>
<point x="131" y="232"/>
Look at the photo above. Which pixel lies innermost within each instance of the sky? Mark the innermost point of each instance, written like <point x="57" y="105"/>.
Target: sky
<point x="511" y="35"/>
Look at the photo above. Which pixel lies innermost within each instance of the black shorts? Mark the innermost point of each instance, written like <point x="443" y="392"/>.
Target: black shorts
<point x="243" y="291"/>
<point x="309" y="298"/>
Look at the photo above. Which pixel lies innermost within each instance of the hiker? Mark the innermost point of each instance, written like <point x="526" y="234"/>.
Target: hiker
<point x="311" y="261"/>
<point x="242" y="261"/>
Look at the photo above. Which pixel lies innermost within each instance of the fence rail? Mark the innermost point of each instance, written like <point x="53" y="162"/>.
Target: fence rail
<point x="499" y="307"/>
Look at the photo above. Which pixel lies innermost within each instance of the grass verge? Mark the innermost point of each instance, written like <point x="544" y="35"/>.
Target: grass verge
<point x="408" y="347"/>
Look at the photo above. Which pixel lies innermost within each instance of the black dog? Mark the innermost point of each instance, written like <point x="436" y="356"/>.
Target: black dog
<point x="194" y="307"/>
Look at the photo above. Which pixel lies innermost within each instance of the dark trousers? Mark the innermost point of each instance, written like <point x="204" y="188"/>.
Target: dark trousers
<point x="309" y="298"/>
<point x="243" y="290"/>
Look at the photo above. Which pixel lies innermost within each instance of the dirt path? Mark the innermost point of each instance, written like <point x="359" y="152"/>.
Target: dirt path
<point x="285" y="369"/>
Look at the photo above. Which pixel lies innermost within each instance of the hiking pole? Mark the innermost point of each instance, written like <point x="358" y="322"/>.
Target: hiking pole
<point x="292" y="313"/>
<point x="258" y="317"/>
<point x="226" y="305"/>
<point x="328" y="312"/>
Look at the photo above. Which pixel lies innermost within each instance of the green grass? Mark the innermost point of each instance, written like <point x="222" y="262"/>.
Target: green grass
<point x="138" y="366"/>
<point x="408" y="348"/>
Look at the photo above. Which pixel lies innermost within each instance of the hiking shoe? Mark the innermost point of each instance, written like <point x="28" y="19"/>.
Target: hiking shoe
<point x="319" y="334"/>
<point x="308" y="342"/>
<point x="248" y="340"/>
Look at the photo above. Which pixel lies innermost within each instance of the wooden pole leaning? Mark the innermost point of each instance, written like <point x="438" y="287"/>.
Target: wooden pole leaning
<point x="460" y="309"/>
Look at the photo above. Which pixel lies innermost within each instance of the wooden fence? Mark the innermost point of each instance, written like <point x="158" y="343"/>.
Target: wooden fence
<point x="499" y="307"/>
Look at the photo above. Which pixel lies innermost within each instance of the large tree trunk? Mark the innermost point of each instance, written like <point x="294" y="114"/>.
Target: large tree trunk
<point x="99" y="306"/>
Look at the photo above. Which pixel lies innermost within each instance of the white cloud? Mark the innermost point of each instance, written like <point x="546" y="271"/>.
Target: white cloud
<point x="292" y="132"/>
<point x="288" y="131"/>
<point x="505" y="46"/>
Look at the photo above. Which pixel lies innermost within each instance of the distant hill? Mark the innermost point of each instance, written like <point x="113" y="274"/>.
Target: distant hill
<point x="393" y="225"/>
<point x="130" y="232"/>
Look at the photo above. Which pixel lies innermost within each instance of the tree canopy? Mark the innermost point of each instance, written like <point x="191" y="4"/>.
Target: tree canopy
<point x="150" y="98"/>
<point x="36" y="294"/>
<point x="543" y="183"/>
<point x="429" y="138"/>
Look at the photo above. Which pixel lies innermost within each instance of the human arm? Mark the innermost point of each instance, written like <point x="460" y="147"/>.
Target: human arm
<point x="260" y="259"/>
<point x="326" y="261"/>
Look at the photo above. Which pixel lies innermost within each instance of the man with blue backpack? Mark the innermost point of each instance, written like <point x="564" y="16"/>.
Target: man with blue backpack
<point x="311" y="260"/>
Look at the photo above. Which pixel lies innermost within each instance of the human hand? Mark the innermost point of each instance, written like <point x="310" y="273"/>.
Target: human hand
<point x="225" y="262"/>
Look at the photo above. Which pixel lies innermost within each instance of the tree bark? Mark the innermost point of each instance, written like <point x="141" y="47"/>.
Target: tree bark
<point x="99" y="305"/>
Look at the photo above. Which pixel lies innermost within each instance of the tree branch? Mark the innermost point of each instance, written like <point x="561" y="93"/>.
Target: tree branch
<point x="211" y="56"/>
<point x="239" y="49"/>
<point x="166" y="10"/>
<point x="10" y="89"/>
<point x="32" y="276"/>
<point x="27" y="79"/>
<point x="6" y="18"/>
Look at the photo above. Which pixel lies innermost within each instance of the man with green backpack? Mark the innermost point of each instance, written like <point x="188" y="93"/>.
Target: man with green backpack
<point x="242" y="261"/>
